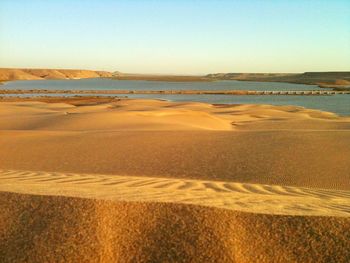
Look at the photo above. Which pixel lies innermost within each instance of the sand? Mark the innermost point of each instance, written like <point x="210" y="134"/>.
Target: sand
<point x="245" y="143"/>
<point x="331" y="79"/>
<point x="10" y="74"/>
<point x="252" y="198"/>
<point x="337" y="80"/>
<point x="65" y="229"/>
<point x="101" y="180"/>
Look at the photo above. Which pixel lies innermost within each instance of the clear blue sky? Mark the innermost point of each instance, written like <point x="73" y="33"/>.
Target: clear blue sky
<point x="176" y="37"/>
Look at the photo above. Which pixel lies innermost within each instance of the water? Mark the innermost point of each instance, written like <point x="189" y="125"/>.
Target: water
<point x="339" y="104"/>
<point x="108" y="84"/>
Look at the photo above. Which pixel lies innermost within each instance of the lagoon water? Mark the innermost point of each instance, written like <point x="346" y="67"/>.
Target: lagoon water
<point x="339" y="104"/>
<point x="109" y="84"/>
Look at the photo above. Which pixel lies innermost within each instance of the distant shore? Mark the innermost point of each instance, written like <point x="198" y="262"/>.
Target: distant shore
<point x="336" y="80"/>
<point x="10" y="74"/>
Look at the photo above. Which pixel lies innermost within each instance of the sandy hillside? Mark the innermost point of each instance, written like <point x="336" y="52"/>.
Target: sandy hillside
<point x="323" y="79"/>
<point x="8" y="74"/>
<point x="101" y="180"/>
<point x="37" y="228"/>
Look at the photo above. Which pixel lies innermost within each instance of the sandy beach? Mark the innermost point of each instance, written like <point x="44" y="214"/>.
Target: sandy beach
<point x="149" y="180"/>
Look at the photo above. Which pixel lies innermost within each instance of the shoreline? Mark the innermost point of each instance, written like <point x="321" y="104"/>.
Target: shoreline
<point x="182" y="92"/>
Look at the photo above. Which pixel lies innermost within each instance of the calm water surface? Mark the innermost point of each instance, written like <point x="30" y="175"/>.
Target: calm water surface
<point x="106" y="84"/>
<point x="339" y="104"/>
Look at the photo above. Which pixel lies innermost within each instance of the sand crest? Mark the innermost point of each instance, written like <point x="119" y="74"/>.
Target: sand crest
<point x="255" y="198"/>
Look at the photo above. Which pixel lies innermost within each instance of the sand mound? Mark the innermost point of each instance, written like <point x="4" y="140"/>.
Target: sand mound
<point x="8" y="74"/>
<point x="140" y="115"/>
<point x="16" y="74"/>
<point x="161" y="115"/>
<point x="63" y="229"/>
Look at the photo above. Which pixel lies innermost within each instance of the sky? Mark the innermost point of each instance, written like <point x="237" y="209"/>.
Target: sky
<point x="176" y="37"/>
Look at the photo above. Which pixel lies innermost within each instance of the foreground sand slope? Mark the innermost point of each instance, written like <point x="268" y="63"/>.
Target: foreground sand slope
<point x="64" y="229"/>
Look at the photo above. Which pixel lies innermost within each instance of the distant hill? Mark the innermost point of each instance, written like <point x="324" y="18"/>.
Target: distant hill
<point x="336" y="80"/>
<point x="8" y="74"/>
<point x="324" y="79"/>
<point x="155" y="77"/>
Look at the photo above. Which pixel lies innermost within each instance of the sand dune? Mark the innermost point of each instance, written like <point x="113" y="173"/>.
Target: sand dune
<point x="246" y="143"/>
<point x="65" y="229"/>
<point x="118" y="180"/>
<point x="144" y="219"/>
<point x="9" y="74"/>
<point x="158" y="115"/>
<point x="53" y="217"/>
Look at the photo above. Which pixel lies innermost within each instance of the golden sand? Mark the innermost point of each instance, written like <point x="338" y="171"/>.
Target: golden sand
<point x="101" y="180"/>
<point x="64" y="229"/>
<point x="253" y="198"/>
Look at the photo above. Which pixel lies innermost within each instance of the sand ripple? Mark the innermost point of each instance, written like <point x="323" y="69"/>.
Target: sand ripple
<point x="256" y="198"/>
